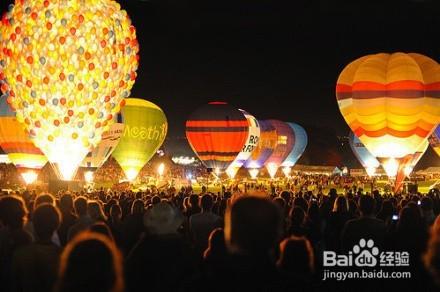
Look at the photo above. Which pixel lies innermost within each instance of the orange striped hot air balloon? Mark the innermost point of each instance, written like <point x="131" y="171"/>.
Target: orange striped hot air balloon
<point x="217" y="133"/>
<point x="16" y="143"/>
<point x="391" y="102"/>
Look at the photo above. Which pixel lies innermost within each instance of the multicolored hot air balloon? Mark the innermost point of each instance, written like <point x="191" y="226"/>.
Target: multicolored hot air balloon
<point x="16" y="143"/>
<point x="298" y="148"/>
<point x="249" y="146"/>
<point x="368" y="161"/>
<point x="145" y="130"/>
<point x="66" y="67"/>
<point x="434" y="140"/>
<point x="407" y="165"/>
<point x="265" y="147"/>
<point x="110" y="139"/>
<point x="391" y="102"/>
<point x="285" y="142"/>
<point x="217" y="133"/>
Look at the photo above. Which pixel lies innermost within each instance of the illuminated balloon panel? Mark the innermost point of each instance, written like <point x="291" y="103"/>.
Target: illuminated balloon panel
<point x="144" y="132"/>
<point x="217" y="133"/>
<point x="367" y="160"/>
<point x="15" y="142"/>
<point x="66" y="67"/>
<point x="390" y="101"/>
<point x="298" y="147"/>
<point x="285" y="142"/>
<point x="407" y="165"/>
<point x="110" y="139"/>
<point x="249" y="146"/>
<point x="434" y="140"/>
<point x="266" y="145"/>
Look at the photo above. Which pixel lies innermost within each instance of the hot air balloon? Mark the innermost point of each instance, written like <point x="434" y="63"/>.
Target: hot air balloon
<point x="265" y="147"/>
<point x="434" y="140"/>
<point x="298" y="148"/>
<point x="110" y="139"/>
<point x="145" y="130"/>
<point x="368" y="161"/>
<point x="285" y="142"/>
<point x="16" y="143"/>
<point x="66" y="67"/>
<point x="217" y="133"/>
<point x="406" y="166"/>
<point x="249" y="146"/>
<point x="391" y="102"/>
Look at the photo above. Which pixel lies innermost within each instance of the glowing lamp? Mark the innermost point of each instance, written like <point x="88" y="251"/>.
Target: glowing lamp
<point x="29" y="177"/>
<point x="88" y="176"/>
<point x="161" y="169"/>
<point x="371" y="170"/>
<point x="287" y="170"/>
<point x="407" y="170"/>
<point x="391" y="166"/>
<point x="131" y="174"/>
<point x="65" y="68"/>
<point x="272" y="168"/>
<point x="232" y="171"/>
<point x="253" y="172"/>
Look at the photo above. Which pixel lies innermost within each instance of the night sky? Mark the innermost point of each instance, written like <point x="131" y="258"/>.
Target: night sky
<point x="275" y="59"/>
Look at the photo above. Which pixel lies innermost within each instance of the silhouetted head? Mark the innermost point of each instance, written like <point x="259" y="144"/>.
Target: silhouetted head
<point x="340" y="205"/>
<point x="46" y="220"/>
<point x="81" y="205"/>
<point x="90" y="262"/>
<point x="252" y="225"/>
<point x="66" y="202"/>
<point x="366" y="205"/>
<point x="13" y="212"/>
<point x="216" y="244"/>
<point x="296" y="256"/>
<point x="102" y="228"/>
<point x="44" y="198"/>
<point x="206" y="202"/>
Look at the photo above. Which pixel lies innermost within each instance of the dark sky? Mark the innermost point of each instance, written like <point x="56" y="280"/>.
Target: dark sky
<point x="276" y="59"/>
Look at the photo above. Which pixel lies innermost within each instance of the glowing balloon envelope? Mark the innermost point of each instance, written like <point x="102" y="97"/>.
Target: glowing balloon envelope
<point x="217" y="133"/>
<point x="249" y="146"/>
<point x="265" y="147"/>
<point x="16" y="144"/>
<point x="145" y="130"/>
<point x="367" y="160"/>
<point x="66" y="67"/>
<point x="285" y="142"/>
<point x="391" y="102"/>
<point x="434" y="140"/>
<point x="110" y="139"/>
<point x="298" y="148"/>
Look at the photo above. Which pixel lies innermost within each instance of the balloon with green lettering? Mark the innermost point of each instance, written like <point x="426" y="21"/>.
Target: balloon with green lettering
<point x="145" y="130"/>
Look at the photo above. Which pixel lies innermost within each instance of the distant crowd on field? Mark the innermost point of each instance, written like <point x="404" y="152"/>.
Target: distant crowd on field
<point x="176" y="240"/>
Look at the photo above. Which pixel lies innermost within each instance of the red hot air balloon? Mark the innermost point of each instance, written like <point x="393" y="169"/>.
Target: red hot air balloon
<point x="217" y="133"/>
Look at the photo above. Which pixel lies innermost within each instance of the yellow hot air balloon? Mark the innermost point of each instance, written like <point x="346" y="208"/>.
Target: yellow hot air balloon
<point x="16" y="143"/>
<point x="145" y="130"/>
<point x="391" y="102"/>
<point x="65" y="68"/>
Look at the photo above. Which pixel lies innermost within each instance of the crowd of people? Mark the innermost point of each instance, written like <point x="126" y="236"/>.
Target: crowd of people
<point x="180" y="241"/>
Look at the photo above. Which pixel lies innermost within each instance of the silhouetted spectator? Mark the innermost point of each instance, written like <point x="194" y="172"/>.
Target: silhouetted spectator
<point x="201" y="224"/>
<point x="84" y="220"/>
<point x="13" y="215"/>
<point x="35" y="266"/>
<point x="366" y="227"/>
<point x="68" y="217"/>
<point x="90" y="263"/>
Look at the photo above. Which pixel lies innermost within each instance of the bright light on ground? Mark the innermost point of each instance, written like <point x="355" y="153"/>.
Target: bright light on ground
<point x="391" y="167"/>
<point x="272" y="169"/>
<point x="287" y="170"/>
<point x="253" y="172"/>
<point x="161" y="169"/>
<point x="29" y="177"/>
<point x="88" y="176"/>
